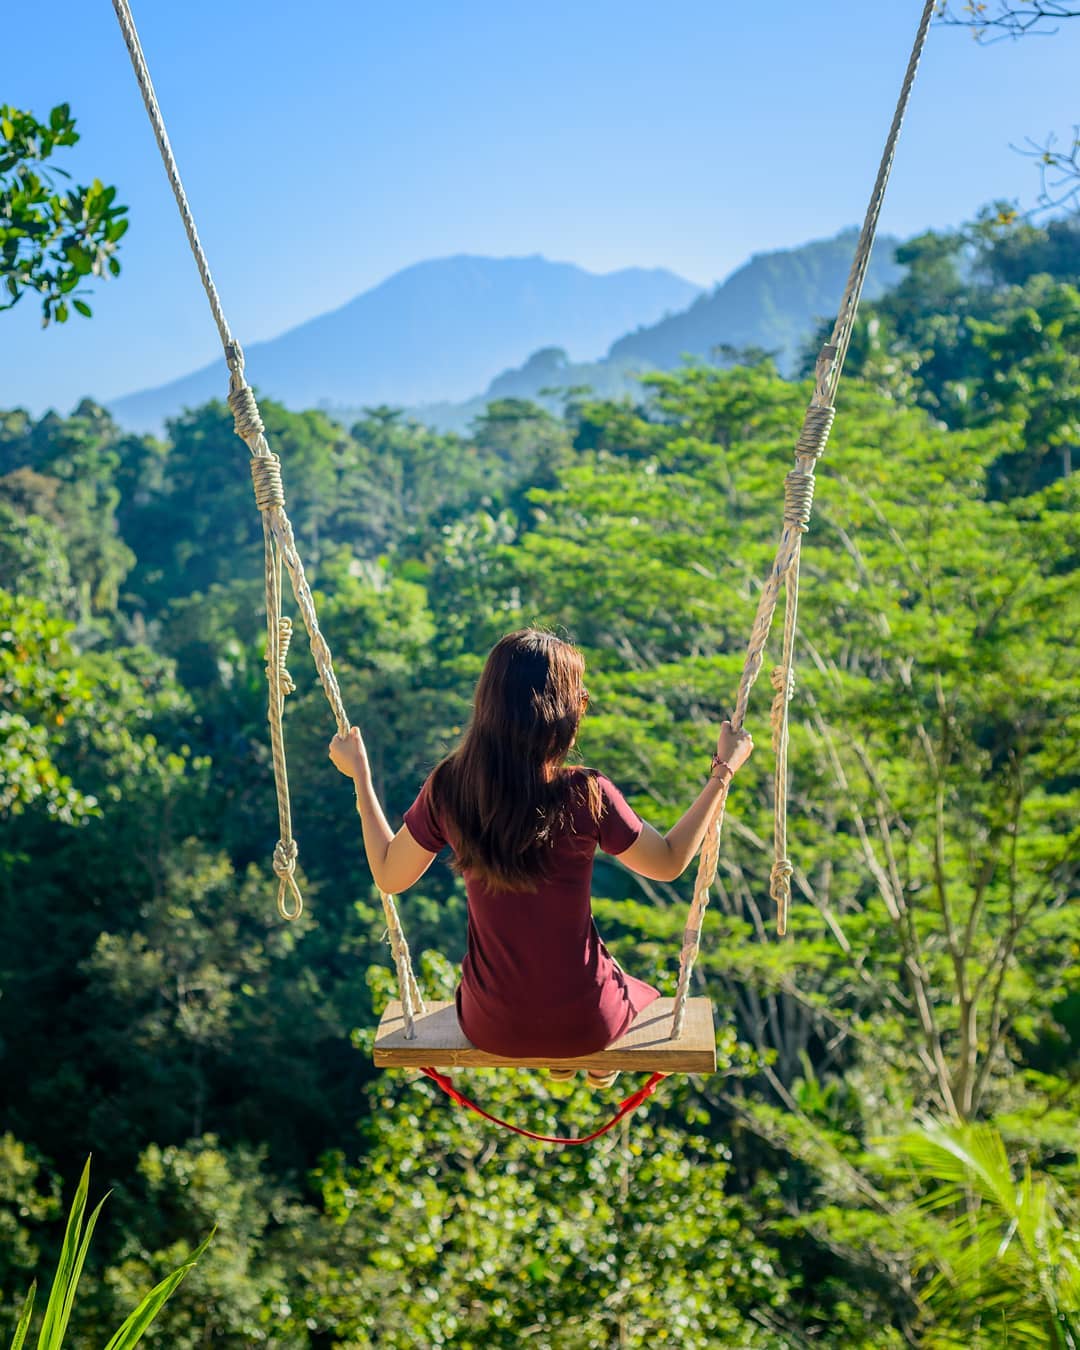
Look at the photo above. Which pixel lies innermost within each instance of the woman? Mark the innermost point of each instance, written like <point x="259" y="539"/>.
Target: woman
<point x="536" y="981"/>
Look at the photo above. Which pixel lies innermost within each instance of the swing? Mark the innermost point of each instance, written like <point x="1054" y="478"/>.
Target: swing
<point x="672" y="1035"/>
<point x="649" y="1046"/>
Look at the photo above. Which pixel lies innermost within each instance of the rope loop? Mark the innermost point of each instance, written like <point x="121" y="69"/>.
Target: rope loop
<point x="285" y="855"/>
<point x="266" y="479"/>
<point x="247" y="420"/>
<point x="798" y="499"/>
<point x="814" y="435"/>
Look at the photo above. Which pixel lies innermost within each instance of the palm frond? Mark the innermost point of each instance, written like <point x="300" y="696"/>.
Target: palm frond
<point x="1002" y="1247"/>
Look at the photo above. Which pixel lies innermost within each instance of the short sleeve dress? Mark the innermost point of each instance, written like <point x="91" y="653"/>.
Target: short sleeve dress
<point x="536" y="979"/>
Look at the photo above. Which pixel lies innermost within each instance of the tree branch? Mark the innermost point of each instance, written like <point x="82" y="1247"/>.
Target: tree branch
<point x="1006" y="18"/>
<point x="1059" y="170"/>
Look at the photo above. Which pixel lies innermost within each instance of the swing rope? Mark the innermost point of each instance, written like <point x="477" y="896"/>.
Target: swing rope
<point x="279" y="547"/>
<point x="798" y="503"/>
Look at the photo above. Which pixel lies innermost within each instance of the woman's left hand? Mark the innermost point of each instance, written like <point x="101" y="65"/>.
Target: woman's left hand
<point x="349" y="754"/>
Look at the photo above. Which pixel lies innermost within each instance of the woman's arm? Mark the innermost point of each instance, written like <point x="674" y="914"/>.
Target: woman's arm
<point x="396" y="860"/>
<point x="664" y="857"/>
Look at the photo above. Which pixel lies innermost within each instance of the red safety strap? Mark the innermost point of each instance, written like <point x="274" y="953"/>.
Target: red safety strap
<point x="629" y="1104"/>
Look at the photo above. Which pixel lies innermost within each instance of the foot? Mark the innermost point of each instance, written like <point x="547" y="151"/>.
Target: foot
<point x="595" y="1079"/>
<point x="561" y="1075"/>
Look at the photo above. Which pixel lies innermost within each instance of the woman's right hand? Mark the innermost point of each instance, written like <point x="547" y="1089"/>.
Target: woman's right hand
<point x="734" y="747"/>
<point x="348" y="754"/>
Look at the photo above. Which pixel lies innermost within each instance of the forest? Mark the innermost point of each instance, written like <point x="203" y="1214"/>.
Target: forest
<point x="888" y="1155"/>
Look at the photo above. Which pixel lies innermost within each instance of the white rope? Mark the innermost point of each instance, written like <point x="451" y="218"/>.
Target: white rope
<point x="798" y="502"/>
<point x="279" y="547"/>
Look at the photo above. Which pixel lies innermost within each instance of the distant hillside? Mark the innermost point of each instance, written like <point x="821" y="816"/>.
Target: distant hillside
<point x="544" y="378"/>
<point x="439" y="330"/>
<point x="774" y="302"/>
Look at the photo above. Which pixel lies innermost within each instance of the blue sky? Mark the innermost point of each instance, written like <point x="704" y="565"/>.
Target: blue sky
<point x="326" y="145"/>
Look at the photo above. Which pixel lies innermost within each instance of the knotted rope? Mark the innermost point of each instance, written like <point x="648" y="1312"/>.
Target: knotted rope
<point x="279" y="548"/>
<point x="798" y="502"/>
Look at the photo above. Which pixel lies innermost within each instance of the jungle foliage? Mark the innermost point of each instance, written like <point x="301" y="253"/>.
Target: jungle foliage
<point x="888" y="1156"/>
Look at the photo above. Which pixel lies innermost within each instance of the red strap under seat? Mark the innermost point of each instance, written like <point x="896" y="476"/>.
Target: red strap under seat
<point x="627" y="1105"/>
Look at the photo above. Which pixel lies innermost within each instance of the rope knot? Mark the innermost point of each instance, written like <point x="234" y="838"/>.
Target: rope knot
<point x="266" y="479"/>
<point x="783" y="681"/>
<point x="780" y="890"/>
<point x="814" y="434"/>
<point x="247" y="420"/>
<point x="798" y="499"/>
<point x="285" y="680"/>
<point x="285" y="855"/>
<point x="780" y="878"/>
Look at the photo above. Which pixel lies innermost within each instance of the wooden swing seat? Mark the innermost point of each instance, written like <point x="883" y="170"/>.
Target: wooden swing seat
<point x="646" y="1048"/>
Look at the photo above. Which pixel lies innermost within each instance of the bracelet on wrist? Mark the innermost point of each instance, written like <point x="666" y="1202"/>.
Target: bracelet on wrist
<point x="721" y="769"/>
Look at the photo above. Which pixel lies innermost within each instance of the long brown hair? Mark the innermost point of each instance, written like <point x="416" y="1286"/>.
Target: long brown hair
<point x="501" y="794"/>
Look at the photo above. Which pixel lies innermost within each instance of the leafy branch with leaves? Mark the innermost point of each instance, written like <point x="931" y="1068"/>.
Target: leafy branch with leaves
<point x="51" y="239"/>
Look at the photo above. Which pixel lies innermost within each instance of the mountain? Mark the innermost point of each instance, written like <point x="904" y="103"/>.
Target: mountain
<point x="774" y="302"/>
<point x="439" y="330"/>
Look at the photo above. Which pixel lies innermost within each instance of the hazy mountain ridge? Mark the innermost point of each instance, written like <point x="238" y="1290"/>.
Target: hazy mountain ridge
<point x="439" y="330"/>
<point x="432" y="337"/>
<point x="774" y="302"/>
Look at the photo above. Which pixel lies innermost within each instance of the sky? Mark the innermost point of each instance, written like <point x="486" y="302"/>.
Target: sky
<point x="324" y="146"/>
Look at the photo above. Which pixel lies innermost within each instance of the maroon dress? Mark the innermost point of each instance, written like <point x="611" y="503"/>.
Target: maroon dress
<point x="537" y="980"/>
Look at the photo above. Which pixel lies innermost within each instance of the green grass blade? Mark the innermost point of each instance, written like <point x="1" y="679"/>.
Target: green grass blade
<point x="51" y="1334"/>
<point x="24" y="1319"/>
<point x="76" y="1270"/>
<point x="136" y="1324"/>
